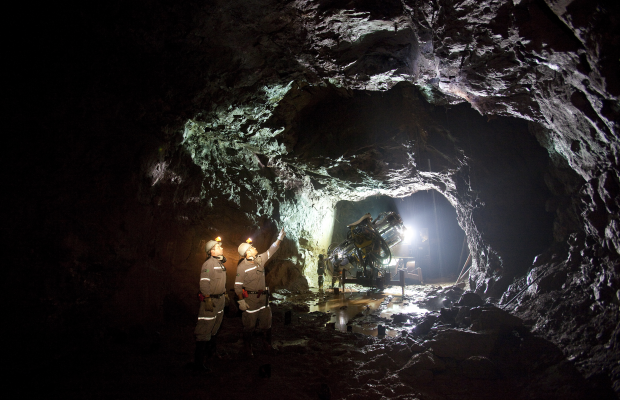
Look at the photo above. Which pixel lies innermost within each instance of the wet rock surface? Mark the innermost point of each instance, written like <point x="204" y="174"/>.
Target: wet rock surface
<point x="311" y="361"/>
<point x="557" y="298"/>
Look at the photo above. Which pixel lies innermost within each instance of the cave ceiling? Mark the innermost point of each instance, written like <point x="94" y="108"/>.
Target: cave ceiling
<point x="518" y="59"/>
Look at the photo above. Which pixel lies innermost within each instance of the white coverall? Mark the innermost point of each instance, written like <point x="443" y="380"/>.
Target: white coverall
<point x="251" y="277"/>
<point x="212" y="283"/>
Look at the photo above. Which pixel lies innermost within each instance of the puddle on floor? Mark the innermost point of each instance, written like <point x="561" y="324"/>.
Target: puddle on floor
<point x="362" y="307"/>
<point x="363" y="310"/>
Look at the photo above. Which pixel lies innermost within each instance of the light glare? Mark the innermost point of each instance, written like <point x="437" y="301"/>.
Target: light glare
<point x="409" y="234"/>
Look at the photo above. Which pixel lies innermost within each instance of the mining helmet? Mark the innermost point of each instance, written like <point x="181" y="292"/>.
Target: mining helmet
<point x="244" y="247"/>
<point x="211" y="243"/>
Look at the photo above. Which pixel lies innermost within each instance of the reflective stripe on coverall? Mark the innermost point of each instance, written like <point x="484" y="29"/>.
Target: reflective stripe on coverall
<point x="212" y="281"/>
<point x="251" y="277"/>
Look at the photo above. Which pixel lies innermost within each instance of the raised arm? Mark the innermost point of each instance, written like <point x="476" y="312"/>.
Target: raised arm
<point x="274" y="247"/>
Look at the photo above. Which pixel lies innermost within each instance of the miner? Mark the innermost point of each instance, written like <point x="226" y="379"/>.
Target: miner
<point x="252" y="292"/>
<point x="336" y="264"/>
<point x="320" y="270"/>
<point x="212" y="298"/>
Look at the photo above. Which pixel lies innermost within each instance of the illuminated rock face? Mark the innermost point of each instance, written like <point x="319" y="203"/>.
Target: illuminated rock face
<point x="531" y="60"/>
<point x="177" y="123"/>
<point x="322" y="144"/>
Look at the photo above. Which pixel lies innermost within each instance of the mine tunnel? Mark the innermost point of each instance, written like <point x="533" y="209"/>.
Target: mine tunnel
<point x="148" y="143"/>
<point x="438" y="245"/>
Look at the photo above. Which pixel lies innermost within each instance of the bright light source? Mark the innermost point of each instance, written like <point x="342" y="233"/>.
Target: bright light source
<point x="409" y="235"/>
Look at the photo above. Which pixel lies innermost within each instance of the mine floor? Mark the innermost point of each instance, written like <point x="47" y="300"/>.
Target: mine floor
<point x="367" y="311"/>
<point x="423" y="355"/>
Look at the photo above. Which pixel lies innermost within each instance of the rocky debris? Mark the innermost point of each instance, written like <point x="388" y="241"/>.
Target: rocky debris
<point x="387" y="300"/>
<point x="450" y="295"/>
<point x="478" y="367"/>
<point x="463" y="317"/>
<point x="470" y="299"/>
<point x="492" y="319"/>
<point x="421" y="367"/>
<point x="461" y="344"/>
<point x="508" y="361"/>
<point x="572" y="309"/>
<point x="400" y="318"/>
<point x="279" y="296"/>
<point x="448" y="315"/>
<point x="426" y="324"/>
<point x="436" y="297"/>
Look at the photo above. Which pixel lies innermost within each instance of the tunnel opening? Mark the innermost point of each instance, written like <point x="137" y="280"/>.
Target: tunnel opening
<point x="433" y="240"/>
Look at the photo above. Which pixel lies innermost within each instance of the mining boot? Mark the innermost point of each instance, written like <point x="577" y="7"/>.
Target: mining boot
<point x="247" y="344"/>
<point x="201" y="351"/>
<point x="213" y="348"/>
<point x="267" y="340"/>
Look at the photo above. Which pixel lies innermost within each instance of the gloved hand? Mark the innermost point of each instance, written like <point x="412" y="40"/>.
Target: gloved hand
<point x="208" y="304"/>
<point x="243" y="305"/>
<point x="282" y="234"/>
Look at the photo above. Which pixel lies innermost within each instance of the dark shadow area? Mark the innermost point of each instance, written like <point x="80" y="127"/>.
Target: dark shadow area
<point x="469" y="351"/>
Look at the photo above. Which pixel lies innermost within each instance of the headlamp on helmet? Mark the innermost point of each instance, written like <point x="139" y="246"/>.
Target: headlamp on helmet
<point x="211" y="243"/>
<point x="243" y="248"/>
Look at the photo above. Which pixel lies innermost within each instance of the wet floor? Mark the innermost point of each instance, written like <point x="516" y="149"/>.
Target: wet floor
<point x="370" y="312"/>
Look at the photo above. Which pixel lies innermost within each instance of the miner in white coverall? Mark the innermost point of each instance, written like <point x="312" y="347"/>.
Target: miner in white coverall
<point x="252" y="292"/>
<point x="212" y="298"/>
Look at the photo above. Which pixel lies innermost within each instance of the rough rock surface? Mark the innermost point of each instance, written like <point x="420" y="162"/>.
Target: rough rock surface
<point x="311" y="361"/>
<point x="144" y="130"/>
